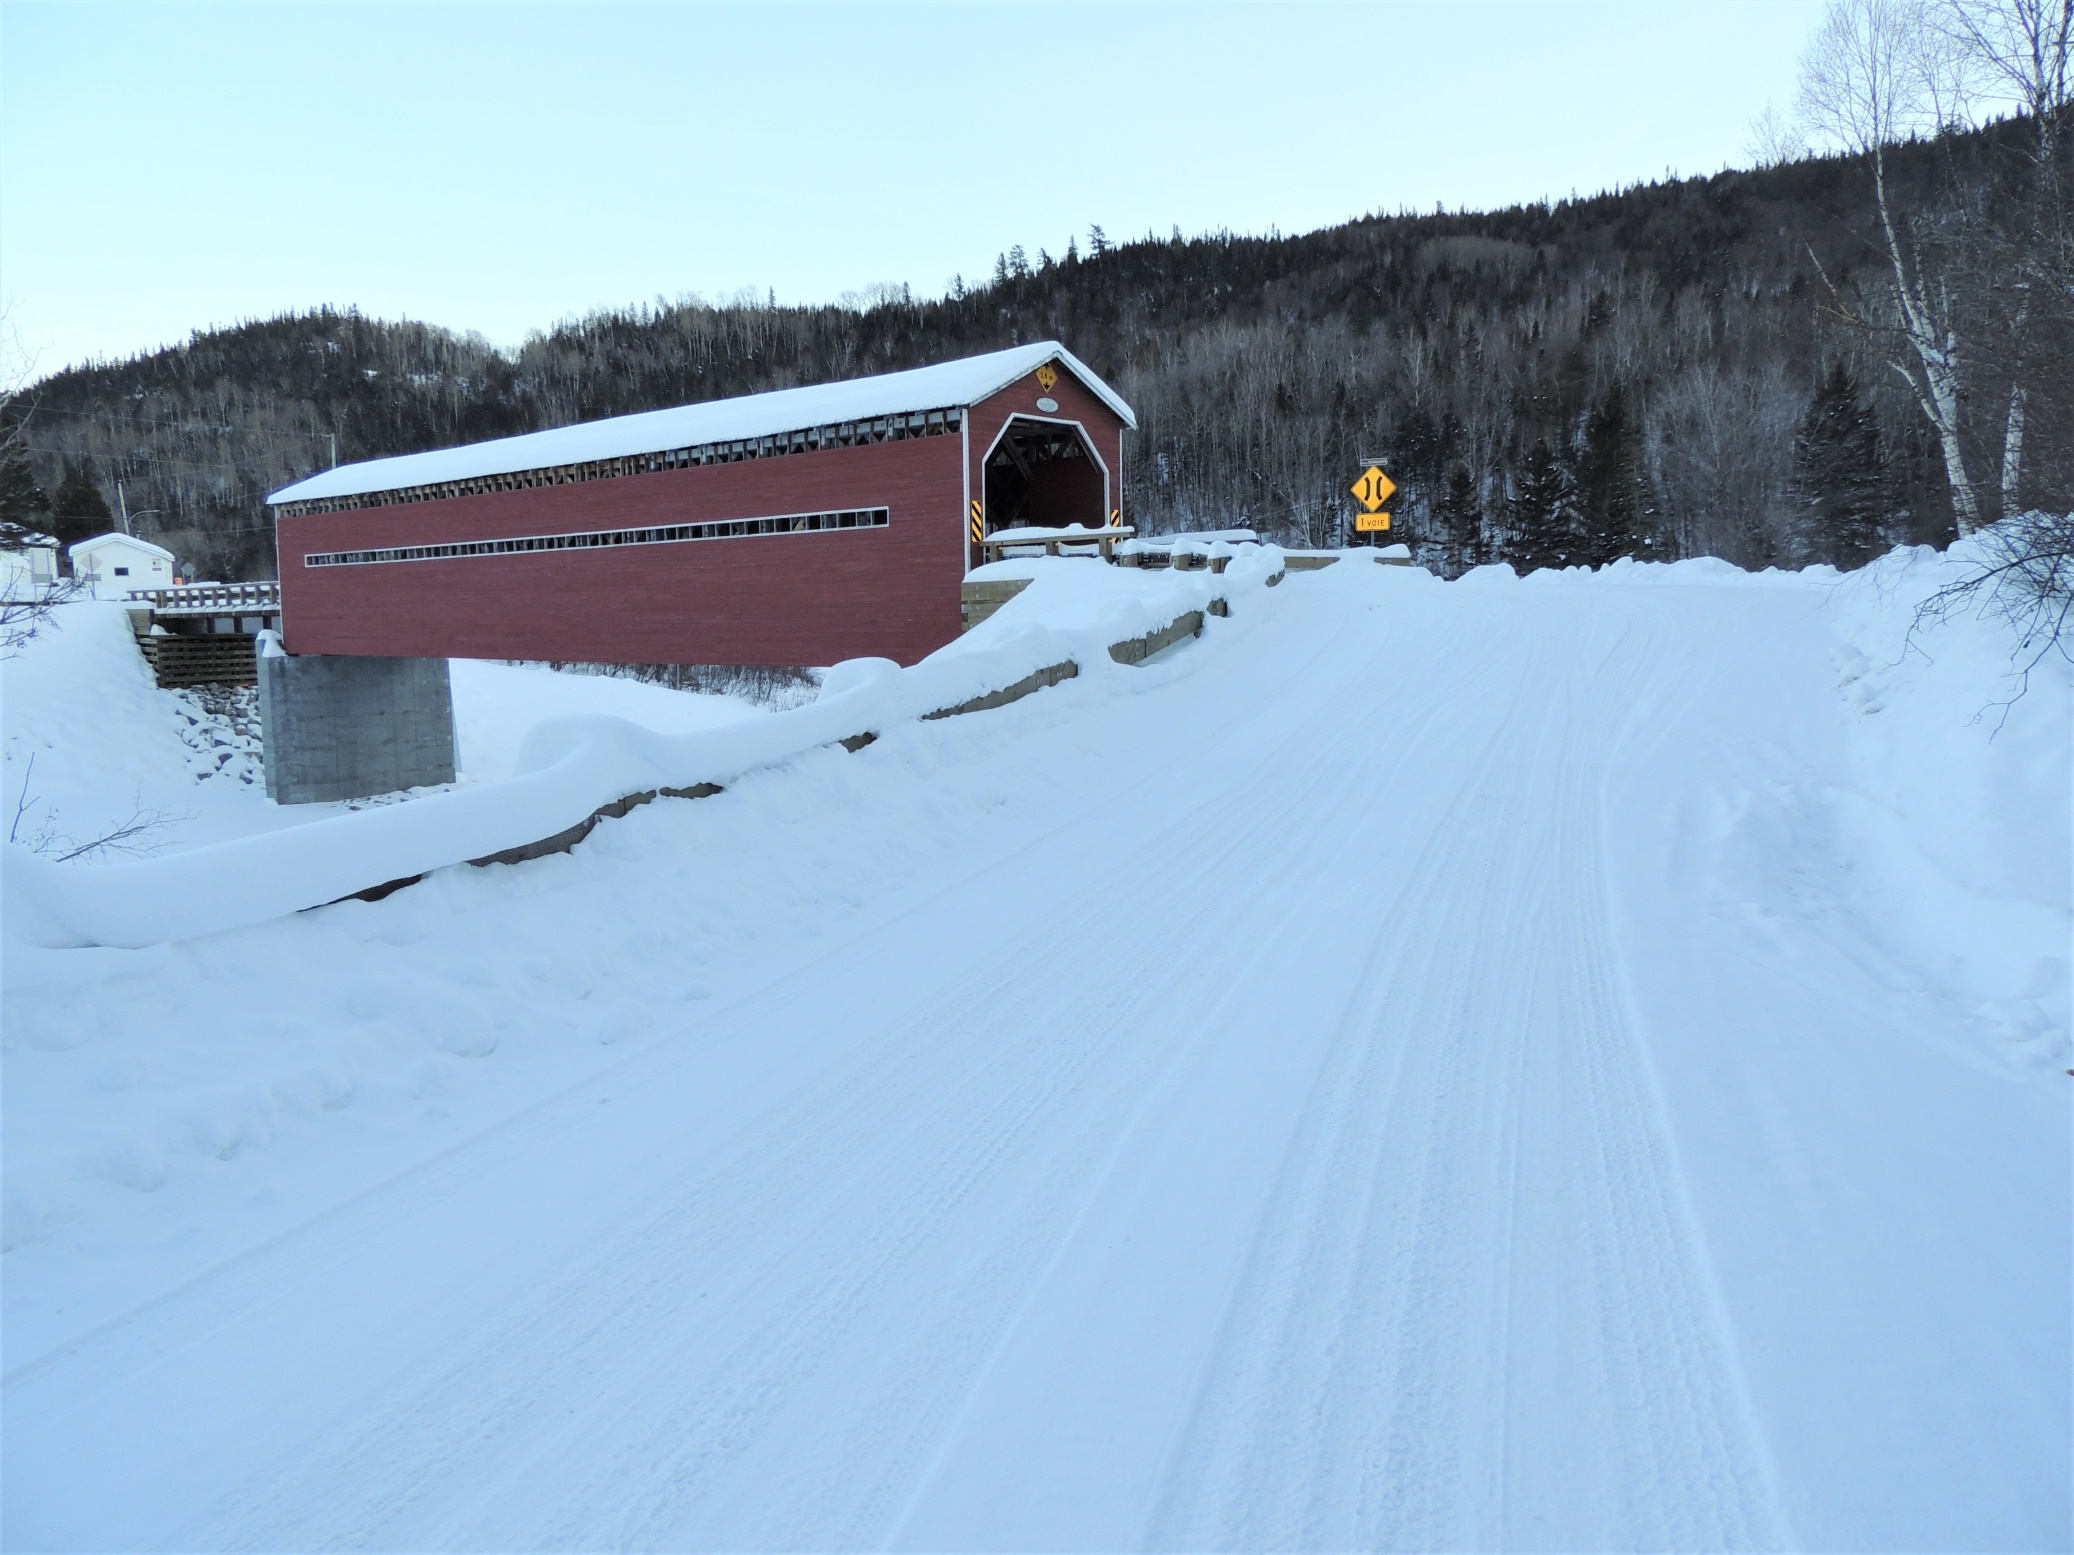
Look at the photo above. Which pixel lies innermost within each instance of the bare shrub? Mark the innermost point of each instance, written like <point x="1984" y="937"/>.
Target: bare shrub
<point x="775" y="686"/>
<point x="2026" y="578"/>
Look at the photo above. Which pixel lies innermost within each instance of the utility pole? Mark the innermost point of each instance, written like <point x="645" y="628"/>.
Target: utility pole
<point x="122" y="506"/>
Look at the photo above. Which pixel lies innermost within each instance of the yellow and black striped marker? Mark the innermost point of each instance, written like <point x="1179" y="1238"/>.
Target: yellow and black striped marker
<point x="1114" y="515"/>
<point x="979" y="527"/>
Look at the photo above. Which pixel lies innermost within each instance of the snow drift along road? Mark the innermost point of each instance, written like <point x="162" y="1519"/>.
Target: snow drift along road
<point x="1568" y="1063"/>
<point x="572" y="766"/>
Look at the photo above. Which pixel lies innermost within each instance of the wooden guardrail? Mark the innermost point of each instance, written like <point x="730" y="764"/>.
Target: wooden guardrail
<point x="1134" y="650"/>
<point x="1001" y="541"/>
<point x="977" y="601"/>
<point x="212" y="599"/>
<point x="182" y="656"/>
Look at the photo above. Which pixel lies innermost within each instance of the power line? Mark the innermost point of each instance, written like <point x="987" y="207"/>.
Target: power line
<point x="124" y="465"/>
<point x="185" y="426"/>
<point x="133" y="466"/>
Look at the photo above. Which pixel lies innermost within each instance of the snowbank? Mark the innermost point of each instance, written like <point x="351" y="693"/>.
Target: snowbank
<point x="569" y="767"/>
<point x="107" y="742"/>
<point x="109" y="747"/>
<point x="1958" y="824"/>
<point x="496" y="706"/>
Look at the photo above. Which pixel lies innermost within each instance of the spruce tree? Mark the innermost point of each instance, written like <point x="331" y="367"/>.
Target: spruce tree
<point x="1415" y="448"/>
<point x="1838" y="472"/>
<point x="22" y="500"/>
<point x="1541" y="520"/>
<point x="1460" y="513"/>
<point x="78" y="510"/>
<point x="1610" y="493"/>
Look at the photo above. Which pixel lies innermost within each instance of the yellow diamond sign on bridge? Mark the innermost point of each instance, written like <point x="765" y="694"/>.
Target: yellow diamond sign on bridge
<point x="1374" y="488"/>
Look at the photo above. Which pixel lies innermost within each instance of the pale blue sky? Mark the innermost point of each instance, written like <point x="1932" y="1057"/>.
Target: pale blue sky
<point x="498" y="167"/>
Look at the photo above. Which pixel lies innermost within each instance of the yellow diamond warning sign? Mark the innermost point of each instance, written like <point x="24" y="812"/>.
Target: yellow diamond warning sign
<point x="1373" y="490"/>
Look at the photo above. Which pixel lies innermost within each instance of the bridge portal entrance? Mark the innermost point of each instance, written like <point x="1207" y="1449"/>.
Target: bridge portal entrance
<point x="1043" y="475"/>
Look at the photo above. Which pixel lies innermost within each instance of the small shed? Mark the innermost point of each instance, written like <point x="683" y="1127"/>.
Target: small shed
<point x="113" y="564"/>
<point x="28" y="560"/>
<point x="802" y="526"/>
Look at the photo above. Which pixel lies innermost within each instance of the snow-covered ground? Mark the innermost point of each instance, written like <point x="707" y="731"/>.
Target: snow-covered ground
<point x="108" y="745"/>
<point x="1574" y="1062"/>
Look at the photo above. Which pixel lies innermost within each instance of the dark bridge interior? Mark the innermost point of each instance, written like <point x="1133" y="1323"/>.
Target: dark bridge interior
<point x="1043" y="475"/>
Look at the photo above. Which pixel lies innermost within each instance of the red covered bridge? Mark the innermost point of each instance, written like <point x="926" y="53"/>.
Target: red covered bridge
<point x="804" y="526"/>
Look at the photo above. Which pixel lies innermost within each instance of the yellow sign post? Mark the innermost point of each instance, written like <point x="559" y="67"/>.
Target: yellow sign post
<point x="1373" y="490"/>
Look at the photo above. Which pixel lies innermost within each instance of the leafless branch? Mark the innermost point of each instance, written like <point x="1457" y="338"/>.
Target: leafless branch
<point x="22" y="801"/>
<point x="130" y="837"/>
<point x="136" y="836"/>
<point x="25" y="609"/>
<point x="2027" y="580"/>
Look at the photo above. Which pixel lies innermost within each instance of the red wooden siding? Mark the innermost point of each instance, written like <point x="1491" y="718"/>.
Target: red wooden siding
<point x="814" y="598"/>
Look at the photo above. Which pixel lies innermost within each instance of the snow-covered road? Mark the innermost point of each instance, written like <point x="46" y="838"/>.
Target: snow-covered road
<point x="1416" y="1069"/>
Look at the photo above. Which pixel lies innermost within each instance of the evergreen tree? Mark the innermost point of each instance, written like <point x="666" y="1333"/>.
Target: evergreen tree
<point x="1460" y="515"/>
<point x="1541" y="520"/>
<point x="22" y="500"/>
<point x="1838" y="472"/>
<point x="1415" y="449"/>
<point x="1611" y="497"/>
<point x="77" y="508"/>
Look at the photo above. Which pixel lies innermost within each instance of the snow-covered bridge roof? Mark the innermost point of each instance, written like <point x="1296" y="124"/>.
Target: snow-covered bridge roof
<point x="964" y="382"/>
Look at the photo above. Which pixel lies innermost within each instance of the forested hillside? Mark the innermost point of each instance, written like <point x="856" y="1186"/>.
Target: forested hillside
<point x="1690" y="367"/>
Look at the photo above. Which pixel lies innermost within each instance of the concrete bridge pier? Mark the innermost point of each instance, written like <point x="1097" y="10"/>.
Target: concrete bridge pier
<point x="339" y="727"/>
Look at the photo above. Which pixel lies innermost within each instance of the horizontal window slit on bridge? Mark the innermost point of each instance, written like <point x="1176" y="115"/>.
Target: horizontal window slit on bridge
<point x="720" y="529"/>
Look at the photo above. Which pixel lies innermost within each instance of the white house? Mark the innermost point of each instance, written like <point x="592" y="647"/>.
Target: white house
<point x="28" y="561"/>
<point x="113" y="564"/>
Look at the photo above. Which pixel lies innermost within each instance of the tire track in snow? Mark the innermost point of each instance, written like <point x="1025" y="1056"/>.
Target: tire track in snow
<point x="1336" y="1157"/>
<point x="1183" y="861"/>
<point x="1420" y="1198"/>
<point x="405" y="1446"/>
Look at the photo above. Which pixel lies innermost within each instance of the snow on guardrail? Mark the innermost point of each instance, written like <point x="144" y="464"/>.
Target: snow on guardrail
<point x="572" y="767"/>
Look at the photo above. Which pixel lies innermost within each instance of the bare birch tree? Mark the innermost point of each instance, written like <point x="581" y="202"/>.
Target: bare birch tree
<point x="1877" y="71"/>
<point x="2019" y="50"/>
